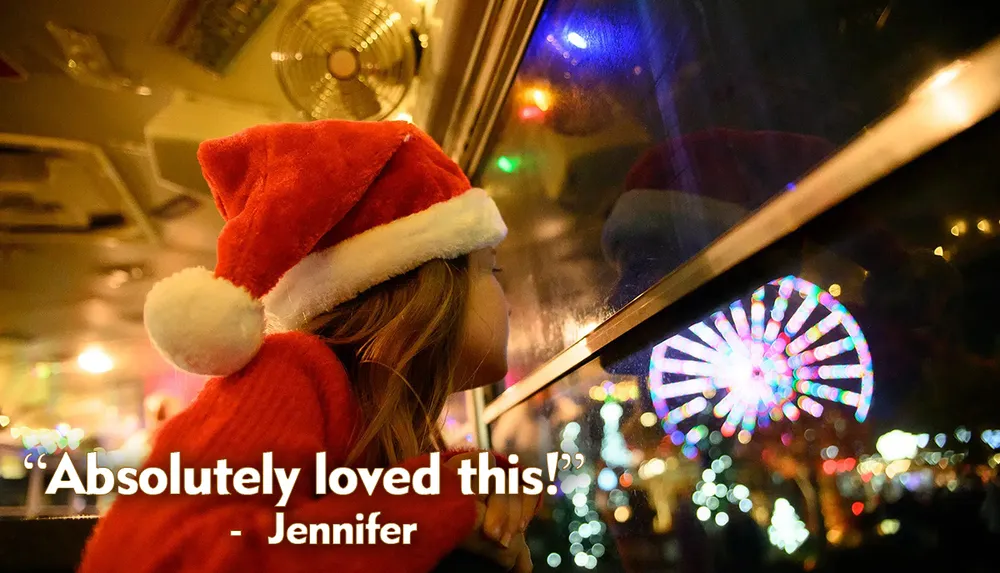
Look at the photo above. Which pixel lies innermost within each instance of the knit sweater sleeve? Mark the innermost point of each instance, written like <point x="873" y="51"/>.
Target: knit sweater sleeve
<point x="294" y="411"/>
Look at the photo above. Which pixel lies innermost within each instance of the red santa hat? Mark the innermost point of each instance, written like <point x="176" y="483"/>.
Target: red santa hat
<point x="316" y="213"/>
<point x="685" y="192"/>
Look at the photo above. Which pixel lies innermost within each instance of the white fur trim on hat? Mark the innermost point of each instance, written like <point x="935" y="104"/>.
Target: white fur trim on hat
<point x="203" y="324"/>
<point x="676" y="220"/>
<point x="327" y="278"/>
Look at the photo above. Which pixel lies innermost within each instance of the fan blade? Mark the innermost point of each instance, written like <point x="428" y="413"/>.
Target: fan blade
<point x="359" y="100"/>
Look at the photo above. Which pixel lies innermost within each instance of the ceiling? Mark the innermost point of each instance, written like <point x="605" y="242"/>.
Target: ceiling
<point x="83" y="241"/>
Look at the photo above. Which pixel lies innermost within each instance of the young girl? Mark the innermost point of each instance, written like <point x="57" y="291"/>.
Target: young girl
<point x="363" y="252"/>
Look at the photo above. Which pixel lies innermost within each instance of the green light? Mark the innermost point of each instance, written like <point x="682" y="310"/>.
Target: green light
<point x="507" y="164"/>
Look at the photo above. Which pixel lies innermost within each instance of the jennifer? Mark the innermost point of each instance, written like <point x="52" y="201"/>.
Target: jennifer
<point x="360" y="533"/>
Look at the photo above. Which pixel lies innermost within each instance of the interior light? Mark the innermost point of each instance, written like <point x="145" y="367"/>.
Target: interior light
<point x="507" y="164"/>
<point x="95" y="361"/>
<point x="542" y="98"/>
<point x="983" y="225"/>
<point x="943" y="77"/>
<point x="577" y="40"/>
<point x="530" y="112"/>
<point x="403" y="116"/>
<point x="939" y="251"/>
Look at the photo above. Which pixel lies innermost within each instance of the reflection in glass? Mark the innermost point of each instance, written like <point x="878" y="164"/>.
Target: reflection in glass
<point x="636" y="132"/>
<point x="789" y="428"/>
<point x="457" y="427"/>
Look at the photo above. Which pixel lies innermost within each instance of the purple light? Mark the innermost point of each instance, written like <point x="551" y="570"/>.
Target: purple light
<point x="577" y="40"/>
<point x="764" y="368"/>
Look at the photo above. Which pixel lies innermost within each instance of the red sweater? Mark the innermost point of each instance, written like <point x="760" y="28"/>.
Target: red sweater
<point x="294" y="400"/>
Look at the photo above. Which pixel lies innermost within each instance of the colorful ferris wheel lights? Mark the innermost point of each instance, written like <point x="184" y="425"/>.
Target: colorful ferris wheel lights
<point x="764" y="369"/>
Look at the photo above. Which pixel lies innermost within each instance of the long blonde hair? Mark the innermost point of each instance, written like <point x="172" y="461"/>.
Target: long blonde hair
<point x="399" y="344"/>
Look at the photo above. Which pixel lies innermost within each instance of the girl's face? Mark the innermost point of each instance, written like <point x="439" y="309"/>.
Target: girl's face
<point x="483" y="347"/>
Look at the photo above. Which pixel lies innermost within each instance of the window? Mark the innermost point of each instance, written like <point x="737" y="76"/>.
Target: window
<point x="844" y="420"/>
<point x="637" y="131"/>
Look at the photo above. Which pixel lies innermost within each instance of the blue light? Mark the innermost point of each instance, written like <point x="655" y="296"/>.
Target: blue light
<point x="607" y="480"/>
<point x="577" y="40"/>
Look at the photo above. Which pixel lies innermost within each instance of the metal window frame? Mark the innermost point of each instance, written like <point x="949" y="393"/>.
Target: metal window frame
<point x="951" y="101"/>
<point x="503" y="39"/>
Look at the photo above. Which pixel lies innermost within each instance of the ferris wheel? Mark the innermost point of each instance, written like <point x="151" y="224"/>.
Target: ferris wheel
<point x="754" y="370"/>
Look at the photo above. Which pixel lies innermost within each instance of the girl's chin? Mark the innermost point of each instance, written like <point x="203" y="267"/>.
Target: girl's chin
<point x="485" y="376"/>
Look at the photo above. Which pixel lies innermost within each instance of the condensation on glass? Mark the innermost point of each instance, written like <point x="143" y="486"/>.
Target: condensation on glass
<point x="637" y="131"/>
<point x="838" y="414"/>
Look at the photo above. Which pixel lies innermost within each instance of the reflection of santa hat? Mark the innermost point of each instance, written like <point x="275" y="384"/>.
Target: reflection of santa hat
<point x="686" y="192"/>
<point x="316" y="213"/>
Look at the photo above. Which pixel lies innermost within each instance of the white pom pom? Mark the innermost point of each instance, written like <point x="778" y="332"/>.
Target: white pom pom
<point x="202" y="324"/>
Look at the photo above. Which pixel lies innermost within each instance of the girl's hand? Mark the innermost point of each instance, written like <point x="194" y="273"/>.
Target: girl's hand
<point x="514" y="557"/>
<point x="506" y="515"/>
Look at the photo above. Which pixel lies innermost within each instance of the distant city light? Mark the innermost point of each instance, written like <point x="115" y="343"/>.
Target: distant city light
<point x="897" y="445"/>
<point x="888" y="527"/>
<point x="553" y="560"/>
<point x="992" y="438"/>
<point x="650" y="469"/>
<point x="787" y="531"/>
<point x="622" y="514"/>
<point x="607" y="480"/>
<point x="963" y="434"/>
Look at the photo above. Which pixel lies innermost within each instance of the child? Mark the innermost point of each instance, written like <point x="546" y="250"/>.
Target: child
<point x="362" y="250"/>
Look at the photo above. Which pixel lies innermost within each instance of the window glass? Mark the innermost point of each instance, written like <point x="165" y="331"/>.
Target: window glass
<point x="457" y="424"/>
<point x="836" y="412"/>
<point x="637" y="131"/>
